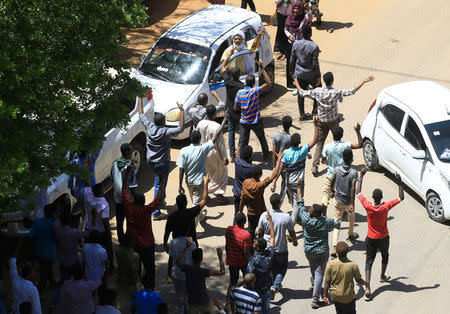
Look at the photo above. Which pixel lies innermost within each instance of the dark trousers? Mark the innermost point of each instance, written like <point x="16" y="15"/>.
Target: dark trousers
<point x="372" y="247"/>
<point x="252" y="224"/>
<point x="281" y="39"/>
<point x="120" y="217"/>
<point x="147" y="257"/>
<point x="304" y="84"/>
<point x="345" y="308"/>
<point x="323" y="129"/>
<point x="107" y="244"/>
<point x="289" y="79"/>
<point x="279" y="267"/>
<point x="250" y="4"/>
<point x="45" y="273"/>
<point x="237" y="201"/>
<point x="233" y="125"/>
<point x="234" y="274"/>
<point x="258" y="128"/>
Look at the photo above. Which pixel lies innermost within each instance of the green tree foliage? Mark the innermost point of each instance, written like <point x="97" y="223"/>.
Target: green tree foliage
<point x="55" y="81"/>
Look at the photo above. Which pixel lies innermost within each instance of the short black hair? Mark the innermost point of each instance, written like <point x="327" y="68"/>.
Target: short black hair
<point x="49" y="209"/>
<point x="197" y="255"/>
<point x="95" y="236"/>
<point x="250" y="80"/>
<point x="341" y="249"/>
<point x="275" y="201"/>
<point x="318" y="209"/>
<point x="347" y="155"/>
<point x="97" y="190"/>
<point x="328" y="78"/>
<point x="256" y="172"/>
<point x="127" y="239"/>
<point x="139" y="198"/>
<point x="196" y="137"/>
<point x="240" y="218"/>
<point x="377" y="194"/>
<point x="202" y="99"/>
<point x="338" y="132"/>
<point x="307" y="31"/>
<point x="295" y="139"/>
<point x="159" y="119"/>
<point x="125" y="148"/>
<point x="211" y="111"/>
<point x="25" y="308"/>
<point x="286" y="121"/>
<point x="246" y="152"/>
<point x="235" y="73"/>
<point x="181" y="201"/>
<point x="26" y="270"/>
<point x="261" y="244"/>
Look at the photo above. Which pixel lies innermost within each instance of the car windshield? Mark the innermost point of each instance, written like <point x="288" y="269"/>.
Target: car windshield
<point x="439" y="134"/>
<point x="177" y="61"/>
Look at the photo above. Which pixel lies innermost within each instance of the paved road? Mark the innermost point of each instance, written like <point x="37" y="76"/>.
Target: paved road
<point x="396" y="41"/>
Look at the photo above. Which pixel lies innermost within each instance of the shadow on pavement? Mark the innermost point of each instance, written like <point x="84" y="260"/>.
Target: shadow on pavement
<point x="396" y="285"/>
<point x="331" y="26"/>
<point x="288" y="294"/>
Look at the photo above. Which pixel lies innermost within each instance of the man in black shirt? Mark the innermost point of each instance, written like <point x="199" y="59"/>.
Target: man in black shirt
<point x="182" y="221"/>
<point x="232" y="85"/>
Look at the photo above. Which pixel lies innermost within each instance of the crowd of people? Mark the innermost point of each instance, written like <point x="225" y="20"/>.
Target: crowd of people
<point x="256" y="243"/>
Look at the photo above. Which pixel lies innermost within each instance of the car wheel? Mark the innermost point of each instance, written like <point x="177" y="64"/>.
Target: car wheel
<point x="271" y="73"/>
<point x="138" y="157"/>
<point x="370" y="155"/>
<point x="435" y="207"/>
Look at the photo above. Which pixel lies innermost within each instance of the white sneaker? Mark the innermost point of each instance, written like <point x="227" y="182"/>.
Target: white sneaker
<point x="294" y="92"/>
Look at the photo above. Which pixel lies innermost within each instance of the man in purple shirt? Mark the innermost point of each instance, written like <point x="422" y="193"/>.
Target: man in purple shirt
<point x="158" y="148"/>
<point x="242" y="170"/>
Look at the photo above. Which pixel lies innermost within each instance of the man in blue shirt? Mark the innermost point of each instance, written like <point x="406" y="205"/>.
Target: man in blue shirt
<point x="315" y="244"/>
<point x="43" y="234"/>
<point x="242" y="171"/>
<point x="159" y="138"/>
<point x="148" y="302"/>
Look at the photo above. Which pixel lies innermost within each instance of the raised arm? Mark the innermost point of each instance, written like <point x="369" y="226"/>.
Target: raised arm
<point x="274" y="183"/>
<point x="398" y="178"/>
<point x="316" y="133"/>
<point x="205" y="192"/>
<point x="267" y="81"/>
<point x="257" y="41"/>
<point x="219" y="130"/>
<point x="140" y="106"/>
<point x="357" y="128"/>
<point x="216" y="96"/>
<point x="222" y="264"/>
<point x="225" y="61"/>
<point x="277" y="167"/>
<point x="181" y="124"/>
<point x="366" y="80"/>
<point x="361" y="177"/>
<point x="272" y="230"/>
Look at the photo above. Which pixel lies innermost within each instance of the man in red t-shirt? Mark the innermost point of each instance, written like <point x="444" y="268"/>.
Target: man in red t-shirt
<point x="377" y="233"/>
<point x="139" y="223"/>
<point x="238" y="244"/>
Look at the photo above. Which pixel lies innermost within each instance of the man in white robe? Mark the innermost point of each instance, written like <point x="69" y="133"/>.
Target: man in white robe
<point x="217" y="160"/>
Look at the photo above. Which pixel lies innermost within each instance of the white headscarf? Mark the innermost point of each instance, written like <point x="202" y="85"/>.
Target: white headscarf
<point x="249" y="61"/>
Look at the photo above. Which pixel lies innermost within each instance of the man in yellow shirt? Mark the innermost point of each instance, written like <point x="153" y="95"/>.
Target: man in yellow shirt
<point x="339" y="276"/>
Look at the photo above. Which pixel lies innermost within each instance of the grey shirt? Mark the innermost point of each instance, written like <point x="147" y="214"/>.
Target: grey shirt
<point x="281" y="223"/>
<point x="198" y="112"/>
<point x="305" y="55"/>
<point x="159" y="139"/>
<point x="281" y="141"/>
<point x="344" y="176"/>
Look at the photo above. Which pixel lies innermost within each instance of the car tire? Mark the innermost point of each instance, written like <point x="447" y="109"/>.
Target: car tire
<point x="434" y="207"/>
<point x="138" y="156"/>
<point x="370" y="155"/>
<point x="271" y="73"/>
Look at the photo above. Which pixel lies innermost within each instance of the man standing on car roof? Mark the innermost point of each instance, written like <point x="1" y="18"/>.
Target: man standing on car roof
<point x="159" y="138"/>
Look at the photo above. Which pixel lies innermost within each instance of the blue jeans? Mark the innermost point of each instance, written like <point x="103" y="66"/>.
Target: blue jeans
<point x="160" y="168"/>
<point x="279" y="268"/>
<point x="265" y="298"/>
<point x="317" y="264"/>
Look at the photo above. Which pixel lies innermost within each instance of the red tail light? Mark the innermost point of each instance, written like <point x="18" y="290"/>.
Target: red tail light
<point x="373" y="104"/>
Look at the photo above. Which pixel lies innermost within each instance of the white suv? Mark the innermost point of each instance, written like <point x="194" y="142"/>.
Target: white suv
<point x="184" y="61"/>
<point x="407" y="130"/>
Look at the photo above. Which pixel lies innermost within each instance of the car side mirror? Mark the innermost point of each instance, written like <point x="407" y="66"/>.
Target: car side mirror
<point x="419" y="154"/>
<point x="215" y="77"/>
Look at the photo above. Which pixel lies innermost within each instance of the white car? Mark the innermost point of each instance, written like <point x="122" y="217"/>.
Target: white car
<point x="407" y="130"/>
<point x="184" y="61"/>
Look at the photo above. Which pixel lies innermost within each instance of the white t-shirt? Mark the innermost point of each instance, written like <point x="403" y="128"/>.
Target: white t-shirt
<point x="94" y="256"/>
<point x="102" y="207"/>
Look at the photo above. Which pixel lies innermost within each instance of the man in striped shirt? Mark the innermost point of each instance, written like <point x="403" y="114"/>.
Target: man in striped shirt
<point x="245" y="299"/>
<point x="247" y="100"/>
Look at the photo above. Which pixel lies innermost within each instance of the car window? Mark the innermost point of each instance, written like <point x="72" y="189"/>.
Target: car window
<point x="394" y="115"/>
<point x="413" y="135"/>
<point x="250" y="33"/>
<point x="217" y="57"/>
<point x="439" y="134"/>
